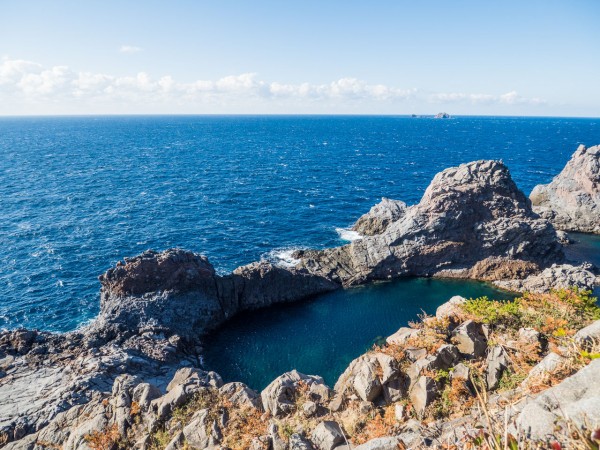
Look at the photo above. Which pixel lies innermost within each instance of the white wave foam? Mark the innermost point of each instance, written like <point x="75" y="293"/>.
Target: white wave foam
<point x="283" y="257"/>
<point x="346" y="234"/>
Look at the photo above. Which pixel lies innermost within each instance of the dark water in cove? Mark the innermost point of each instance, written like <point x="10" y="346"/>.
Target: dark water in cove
<point x="79" y="193"/>
<point x="323" y="335"/>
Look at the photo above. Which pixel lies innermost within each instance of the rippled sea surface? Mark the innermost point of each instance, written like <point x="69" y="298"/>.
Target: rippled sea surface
<point x="79" y="193"/>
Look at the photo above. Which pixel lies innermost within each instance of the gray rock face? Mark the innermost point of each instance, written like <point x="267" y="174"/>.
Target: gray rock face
<point x="572" y="200"/>
<point x="327" y="435"/>
<point x="561" y="276"/>
<point x="401" y="336"/>
<point x="379" y="217"/>
<point x="362" y="377"/>
<point x="383" y="443"/>
<point x="451" y="308"/>
<point x="279" y="397"/>
<point x="423" y="393"/>
<point x="297" y="442"/>
<point x="241" y="395"/>
<point x="497" y="363"/>
<point x="177" y="293"/>
<point x="471" y="222"/>
<point x="577" y="398"/>
<point x="202" y="432"/>
<point x="470" y="339"/>
<point x="551" y="362"/>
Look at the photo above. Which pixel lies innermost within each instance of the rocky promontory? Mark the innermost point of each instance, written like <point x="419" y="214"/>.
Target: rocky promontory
<point x="138" y="363"/>
<point x="472" y="222"/>
<point x="572" y="200"/>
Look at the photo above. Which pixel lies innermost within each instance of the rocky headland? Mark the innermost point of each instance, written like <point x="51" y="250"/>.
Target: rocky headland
<point x="572" y="200"/>
<point x="132" y="373"/>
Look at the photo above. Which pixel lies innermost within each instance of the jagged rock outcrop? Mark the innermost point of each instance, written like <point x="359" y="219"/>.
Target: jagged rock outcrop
<point x="558" y="276"/>
<point x="279" y="397"/>
<point x="154" y="310"/>
<point x="572" y="200"/>
<point x="379" y="217"/>
<point x="471" y="222"/>
<point x="193" y="409"/>
<point x="177" y="293"/>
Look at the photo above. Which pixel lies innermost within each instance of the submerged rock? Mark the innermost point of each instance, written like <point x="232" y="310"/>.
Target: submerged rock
<point x="572" y="200"/>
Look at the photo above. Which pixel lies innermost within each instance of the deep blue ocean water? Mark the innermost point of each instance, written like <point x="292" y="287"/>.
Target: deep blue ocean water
<point x="79" y="193"/>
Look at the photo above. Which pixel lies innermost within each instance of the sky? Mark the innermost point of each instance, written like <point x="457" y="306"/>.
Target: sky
<point x="539" y="58"/>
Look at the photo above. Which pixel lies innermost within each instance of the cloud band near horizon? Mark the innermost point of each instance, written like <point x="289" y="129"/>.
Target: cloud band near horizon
<point x="42" y="87"/>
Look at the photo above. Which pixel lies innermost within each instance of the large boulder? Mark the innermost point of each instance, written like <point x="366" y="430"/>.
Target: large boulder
<point x="423" y="393"/>
<point x="471" y="339"/>
<point x="575" y="399"/>
<point x="279" y="397"/>
<point x="368" y="376"/>
<point x="471" y="215"/>
<point x="572" y="200"/>
<point x="589" y="335"/>
<point x="382" y="443"/>
<point x="202" y="431"/>
<point x="496" y="363"/>
<point x="327" y="435"/>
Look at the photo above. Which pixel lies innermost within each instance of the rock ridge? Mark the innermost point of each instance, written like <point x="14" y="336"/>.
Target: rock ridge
<point x="572" y="200"/>
<point x="469" y="215"/>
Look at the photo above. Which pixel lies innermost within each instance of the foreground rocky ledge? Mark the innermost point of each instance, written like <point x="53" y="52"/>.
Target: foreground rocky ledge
<point x="472" y="222"/>
<point x="520" y="373"/>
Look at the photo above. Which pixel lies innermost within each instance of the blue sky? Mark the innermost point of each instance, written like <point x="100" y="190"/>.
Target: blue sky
<point x="380" y="57"/>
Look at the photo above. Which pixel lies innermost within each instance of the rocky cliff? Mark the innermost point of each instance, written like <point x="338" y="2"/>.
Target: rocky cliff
<point x="472" y="222"/>
<point x="519" y="374"/>
<point x="572" y="200"/>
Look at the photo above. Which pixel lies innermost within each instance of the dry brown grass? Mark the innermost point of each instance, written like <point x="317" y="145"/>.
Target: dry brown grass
<point x="381" y="422"/>
<point x="107" y="439"/>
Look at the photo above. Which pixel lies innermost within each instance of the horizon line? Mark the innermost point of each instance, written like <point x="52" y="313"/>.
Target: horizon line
<point x="410" y="115"/>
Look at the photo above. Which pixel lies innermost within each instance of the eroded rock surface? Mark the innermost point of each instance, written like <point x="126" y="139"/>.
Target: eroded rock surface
<point x="558" y="276"/>
<point x="471" y="222"/>
<point x="576" y="398"/>
<point x="379" y="217"/>
<point x="572" y="200"/>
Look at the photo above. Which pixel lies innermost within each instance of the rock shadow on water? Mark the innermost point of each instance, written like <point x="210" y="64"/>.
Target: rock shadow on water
<point x="323" y="335"/>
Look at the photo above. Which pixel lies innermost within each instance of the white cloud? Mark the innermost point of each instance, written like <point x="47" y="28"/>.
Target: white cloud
<point x="510" y="98"/>
<point x="60" y="88"/>
<point x="130" y="49"/>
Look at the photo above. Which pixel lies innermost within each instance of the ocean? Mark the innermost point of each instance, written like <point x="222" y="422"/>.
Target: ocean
<point x="79" y="193"/>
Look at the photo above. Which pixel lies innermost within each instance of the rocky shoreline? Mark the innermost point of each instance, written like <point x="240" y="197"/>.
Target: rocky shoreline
<point x="472" y="222"/>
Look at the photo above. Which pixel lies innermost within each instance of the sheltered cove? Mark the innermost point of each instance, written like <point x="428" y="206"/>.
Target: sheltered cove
<point x="472" y="222"/>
